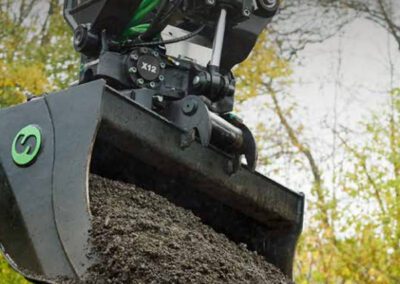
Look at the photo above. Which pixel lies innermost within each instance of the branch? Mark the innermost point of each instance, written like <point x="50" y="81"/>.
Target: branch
<point x="367" y="175"/>
<point x="303" y="149"/>
<point x="391" y="25"/>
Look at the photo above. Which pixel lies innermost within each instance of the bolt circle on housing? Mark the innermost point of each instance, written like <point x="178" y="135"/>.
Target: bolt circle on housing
<point x="148" y="67"/>
<point x="144" y="67"/>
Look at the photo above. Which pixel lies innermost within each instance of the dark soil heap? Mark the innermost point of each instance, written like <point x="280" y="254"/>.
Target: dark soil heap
<point x="143" y="238"/>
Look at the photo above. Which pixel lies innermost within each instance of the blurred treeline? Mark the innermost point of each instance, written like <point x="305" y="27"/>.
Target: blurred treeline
<point x="36" y="54"/>
<point x="358" y="243"/>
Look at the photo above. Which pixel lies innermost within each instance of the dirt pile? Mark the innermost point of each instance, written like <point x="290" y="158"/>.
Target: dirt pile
<point x="143" y="238"/>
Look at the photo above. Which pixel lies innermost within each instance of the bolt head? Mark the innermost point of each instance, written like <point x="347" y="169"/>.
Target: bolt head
<point x="196" y="80"/>
<point x="189" y="107"/>
<point x="132" y="70"/>
<point x="246" y="12"/>
<point x="144" y="50"/>
<point x="159" y="99"/>
<point x="134" y="56"/>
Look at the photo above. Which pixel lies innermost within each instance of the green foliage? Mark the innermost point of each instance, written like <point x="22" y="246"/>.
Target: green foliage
<point x="365" y="243"/>
<point x="7" y="275"/>
<point x="35" y="56"/>
<point x="264" y="65"/>
<point x="373" y="181"/>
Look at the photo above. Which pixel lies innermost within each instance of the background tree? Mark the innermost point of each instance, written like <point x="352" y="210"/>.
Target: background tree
<point x="36" y="54"/>
<point x="373" y="183"/>
<point x="351" y="237"/>
<point x="301" y="23"/>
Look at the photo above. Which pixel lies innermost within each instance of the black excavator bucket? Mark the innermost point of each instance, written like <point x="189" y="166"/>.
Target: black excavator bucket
<point x="50" y="145"/>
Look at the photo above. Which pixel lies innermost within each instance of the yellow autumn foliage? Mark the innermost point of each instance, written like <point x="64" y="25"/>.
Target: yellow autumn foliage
<point x="17" y="80"/>
<point x="8" y="276"/>
<point x="264" y="64"/>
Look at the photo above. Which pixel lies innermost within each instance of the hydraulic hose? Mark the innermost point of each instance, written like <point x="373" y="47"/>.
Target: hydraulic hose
<point x="144" y="9"/>
<point x="156" y="25"/>
<point x="137" y="30"/>
<point x="135" y="26"/>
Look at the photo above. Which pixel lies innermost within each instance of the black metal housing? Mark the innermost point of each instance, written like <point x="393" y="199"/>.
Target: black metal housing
<point x="112" y="15"/>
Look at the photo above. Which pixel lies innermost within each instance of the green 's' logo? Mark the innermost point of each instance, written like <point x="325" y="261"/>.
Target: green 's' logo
<point x="26" y="145"/>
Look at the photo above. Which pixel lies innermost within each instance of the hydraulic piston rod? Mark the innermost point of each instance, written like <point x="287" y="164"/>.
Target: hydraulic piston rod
<point x="219" y="40"/>
<point x="225" y="134"/>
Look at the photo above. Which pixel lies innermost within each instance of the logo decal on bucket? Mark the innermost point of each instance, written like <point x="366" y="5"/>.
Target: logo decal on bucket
<point x="26" y="145"/>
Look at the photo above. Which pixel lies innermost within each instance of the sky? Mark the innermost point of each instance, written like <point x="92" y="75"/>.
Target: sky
<point x="364" y="73"/>
<point x="347" y="77"/>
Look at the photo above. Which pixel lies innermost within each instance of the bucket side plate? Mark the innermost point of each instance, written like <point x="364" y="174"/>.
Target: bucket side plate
<point x="28" y="233"/>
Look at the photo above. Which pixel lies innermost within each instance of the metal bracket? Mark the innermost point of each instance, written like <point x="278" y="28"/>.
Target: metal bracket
<point x="191" y="114"/>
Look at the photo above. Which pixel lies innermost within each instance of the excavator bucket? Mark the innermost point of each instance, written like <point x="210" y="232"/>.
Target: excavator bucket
<point x="50" y="145"/>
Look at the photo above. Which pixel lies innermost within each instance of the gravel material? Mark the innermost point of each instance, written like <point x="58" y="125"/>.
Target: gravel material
<point x="141" y="237"/>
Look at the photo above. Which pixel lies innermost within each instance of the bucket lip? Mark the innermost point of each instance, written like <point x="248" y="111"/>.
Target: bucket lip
<point x="195" y="161"/>
<point x="114" y="92"/>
